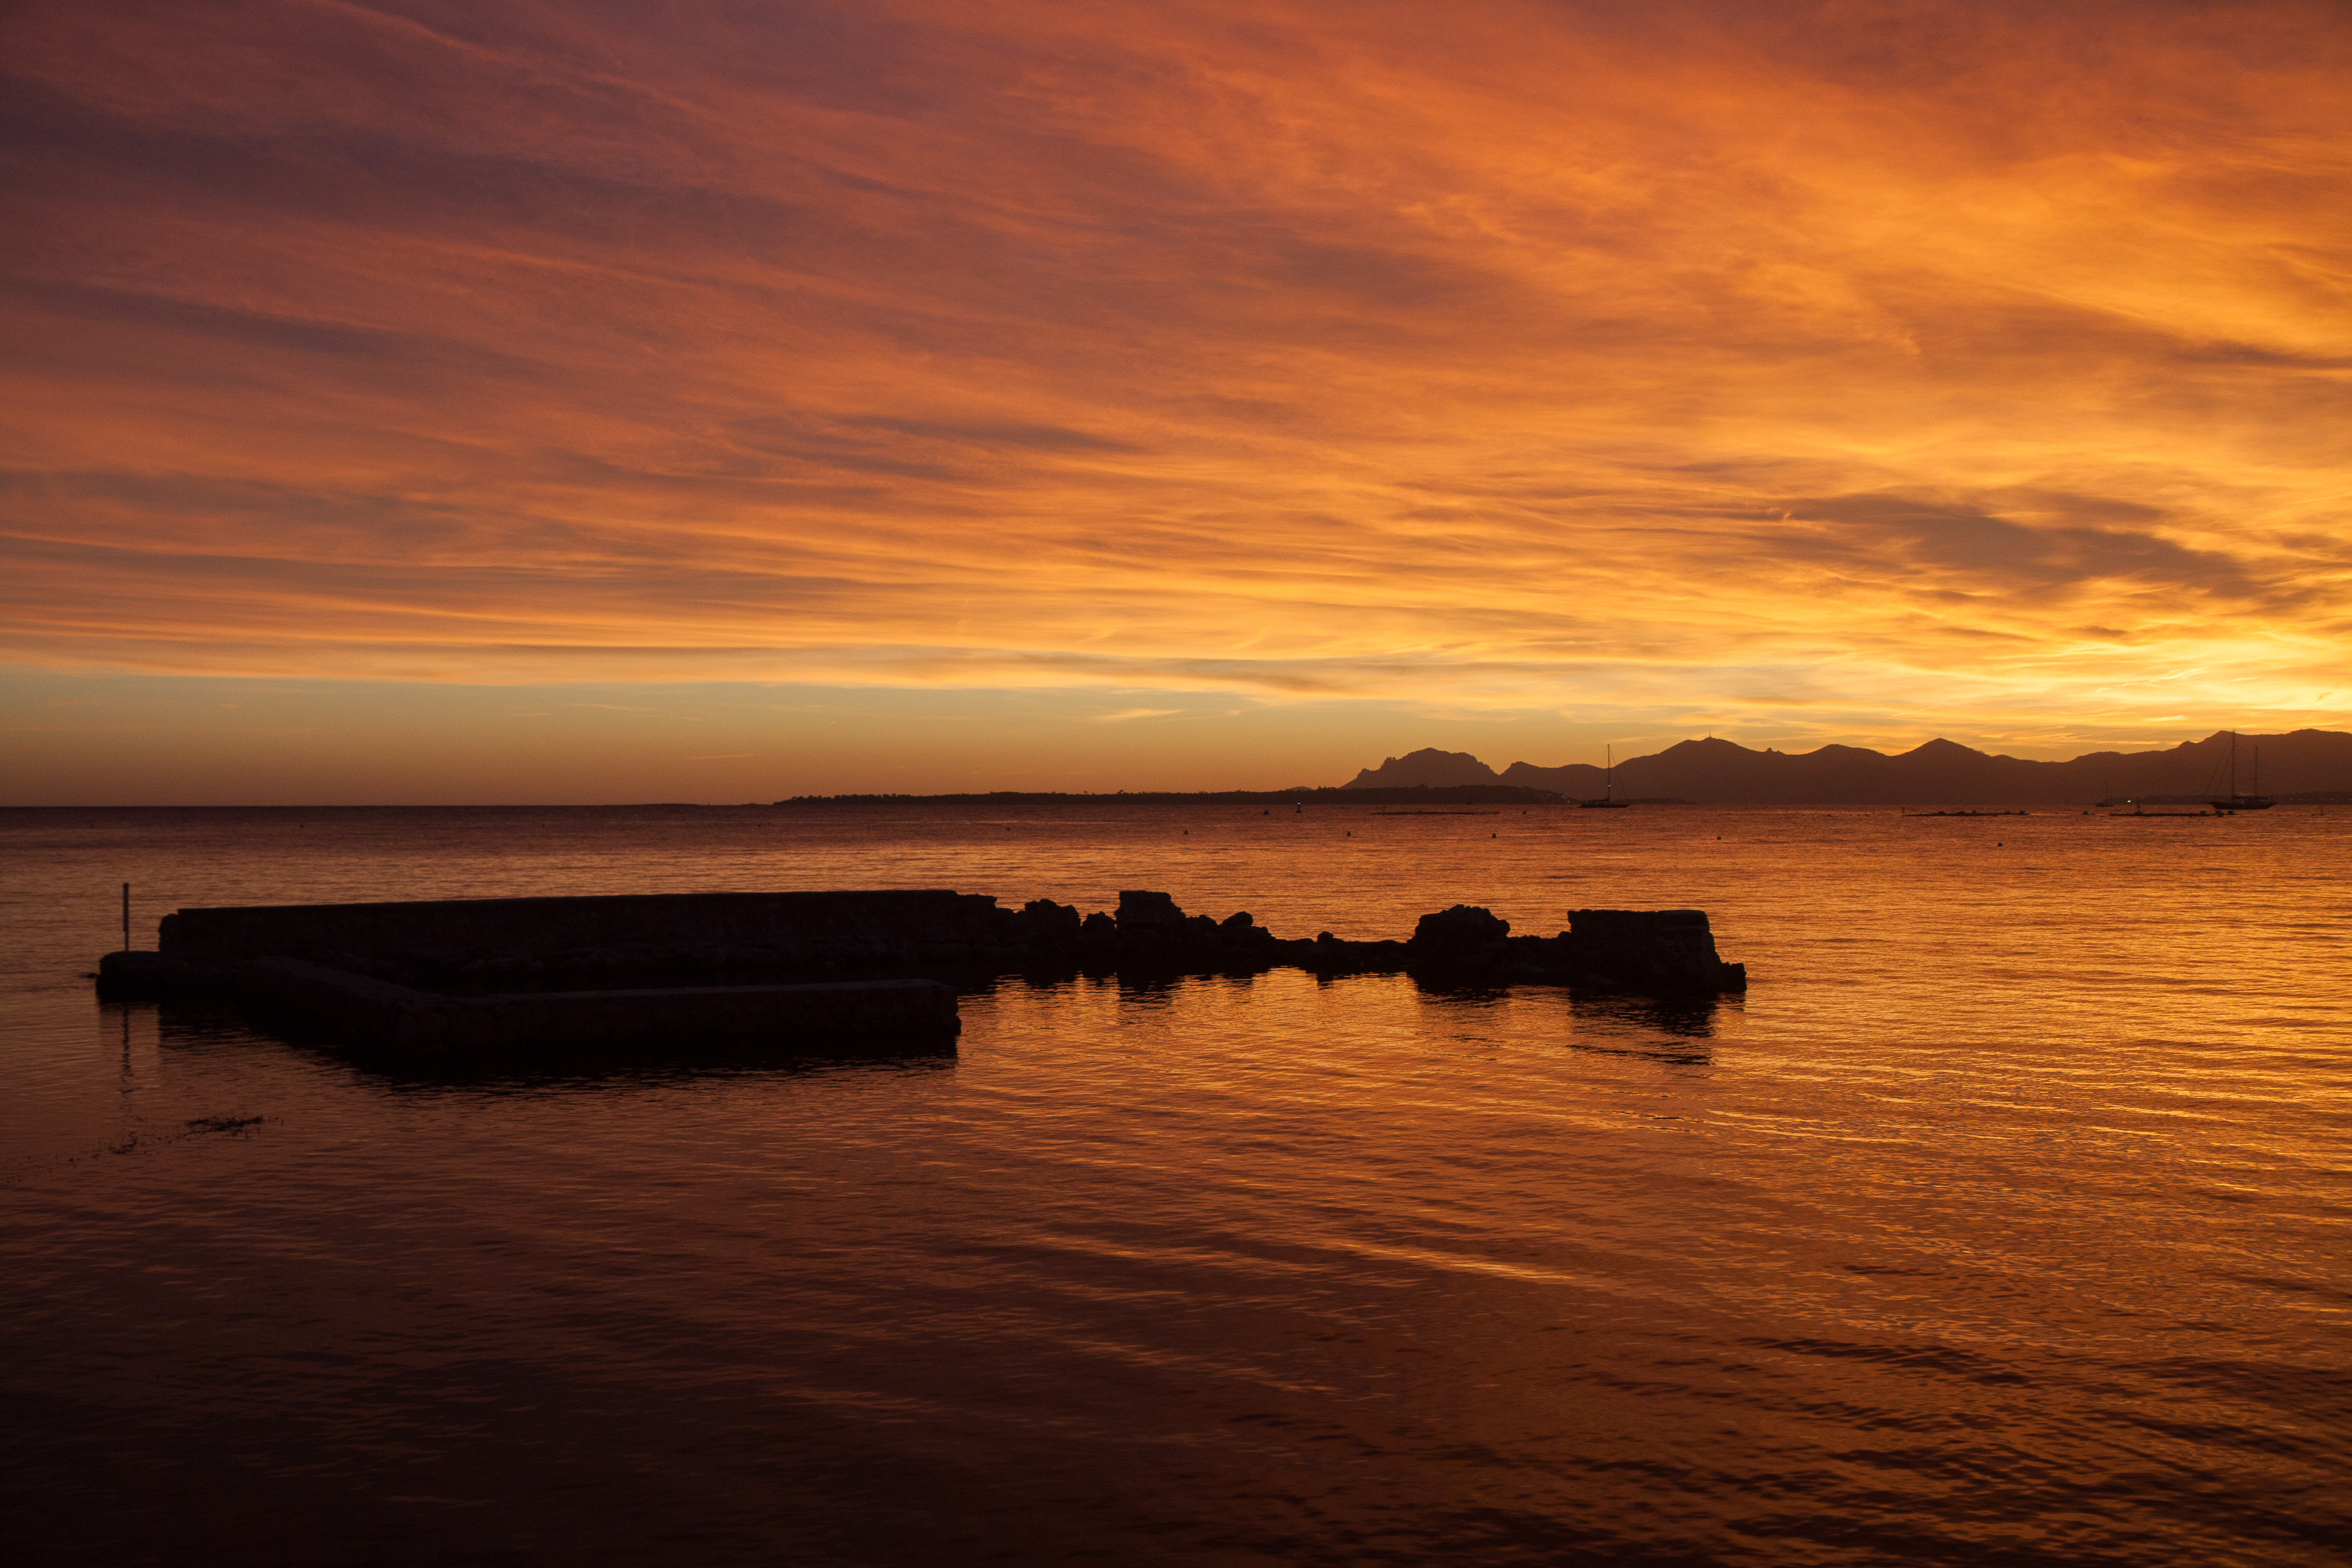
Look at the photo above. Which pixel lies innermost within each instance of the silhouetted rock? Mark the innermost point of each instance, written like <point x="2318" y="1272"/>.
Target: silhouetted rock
<point x="1463" y="928"/>
<point x="1147" y="912"/>
<point x="1459" y="945"/>
<point x="1658" y="952"/>
<point x="1044" y="923"/>
<point x="1153" y="933"/>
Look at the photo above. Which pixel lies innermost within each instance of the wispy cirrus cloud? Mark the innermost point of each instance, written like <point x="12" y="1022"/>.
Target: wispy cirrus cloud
<point x="1967" y="360"/>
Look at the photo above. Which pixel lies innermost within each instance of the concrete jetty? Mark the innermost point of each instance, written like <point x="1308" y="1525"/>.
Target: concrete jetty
<point x="474" y="975"/>
<point x="835" y="920"/>
<point x="377" y="1013"/>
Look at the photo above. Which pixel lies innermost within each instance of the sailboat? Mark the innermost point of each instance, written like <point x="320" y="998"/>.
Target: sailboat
<point x="2233" y="801"/>
<point x="1608" y="800"/>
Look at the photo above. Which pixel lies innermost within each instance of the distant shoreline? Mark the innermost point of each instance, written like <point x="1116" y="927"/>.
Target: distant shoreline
<point x="1408" y="794"/>
<point x="1265" y="799"/>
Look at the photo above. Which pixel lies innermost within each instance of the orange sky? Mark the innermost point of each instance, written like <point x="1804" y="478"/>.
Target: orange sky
<point x="1181" y="395"/>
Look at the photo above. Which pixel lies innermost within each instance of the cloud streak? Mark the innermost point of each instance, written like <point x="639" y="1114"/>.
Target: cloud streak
<point x="1968" y="361"/>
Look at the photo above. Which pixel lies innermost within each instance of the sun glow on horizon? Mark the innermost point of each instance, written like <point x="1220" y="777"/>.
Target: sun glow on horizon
<point x="1845" y="371"/>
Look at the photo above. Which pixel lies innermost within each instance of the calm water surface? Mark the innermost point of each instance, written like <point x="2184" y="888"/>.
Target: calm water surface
<point x="2003" y="1221"/>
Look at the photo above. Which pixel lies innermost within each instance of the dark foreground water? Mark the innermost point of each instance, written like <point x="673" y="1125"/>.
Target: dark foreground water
<point x="2003" y="1221"/>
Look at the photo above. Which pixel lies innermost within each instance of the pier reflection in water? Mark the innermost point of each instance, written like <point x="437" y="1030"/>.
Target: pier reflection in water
<point x="2038" y="1262"/>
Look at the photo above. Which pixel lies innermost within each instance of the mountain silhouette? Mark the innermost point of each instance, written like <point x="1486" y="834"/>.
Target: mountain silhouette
<point x="1430" y="766"/>
<point x="1939" y="773"/>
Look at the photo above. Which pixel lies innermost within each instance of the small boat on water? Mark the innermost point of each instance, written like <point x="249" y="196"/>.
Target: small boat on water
<point x="1607" y="801"/>
<point x="2233" y="801"/>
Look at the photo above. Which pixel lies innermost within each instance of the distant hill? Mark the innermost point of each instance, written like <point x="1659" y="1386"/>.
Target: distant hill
<point x="1430" y="768"/>
<point x="1940" y="772"/>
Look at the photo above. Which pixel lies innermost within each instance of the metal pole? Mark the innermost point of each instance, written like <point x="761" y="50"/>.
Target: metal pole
<point x="126" y="917"/>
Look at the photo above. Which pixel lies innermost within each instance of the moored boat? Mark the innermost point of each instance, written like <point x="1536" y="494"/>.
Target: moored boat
<point x="1607" y="801"/>
<point x="2233" y="801"/>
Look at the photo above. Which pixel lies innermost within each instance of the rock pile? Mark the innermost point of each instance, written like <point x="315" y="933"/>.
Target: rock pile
<point x="1655" y="952"/>
<point x="1661" y="952"/>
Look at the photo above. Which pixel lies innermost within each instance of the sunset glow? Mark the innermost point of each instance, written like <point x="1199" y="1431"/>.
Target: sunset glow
<point x="1848" y="371"/>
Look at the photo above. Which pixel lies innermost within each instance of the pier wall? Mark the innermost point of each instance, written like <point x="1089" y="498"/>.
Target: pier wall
<point x="468" y="973"/>
<point x="238" y="933"/>
<point x="366" y="1012"/>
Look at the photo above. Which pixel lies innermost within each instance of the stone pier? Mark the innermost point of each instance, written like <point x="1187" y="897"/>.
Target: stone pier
<point x="472" y="974"/>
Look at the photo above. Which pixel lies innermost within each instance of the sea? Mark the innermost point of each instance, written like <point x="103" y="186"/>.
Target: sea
<point x="2003" y="1219"/>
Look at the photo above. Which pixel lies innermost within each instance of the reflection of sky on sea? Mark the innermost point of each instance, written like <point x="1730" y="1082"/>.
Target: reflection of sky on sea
<point x="1928" y="1240"/>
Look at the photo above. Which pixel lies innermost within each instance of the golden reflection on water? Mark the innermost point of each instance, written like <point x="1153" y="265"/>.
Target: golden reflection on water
<point x="2002" y="1217"/>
